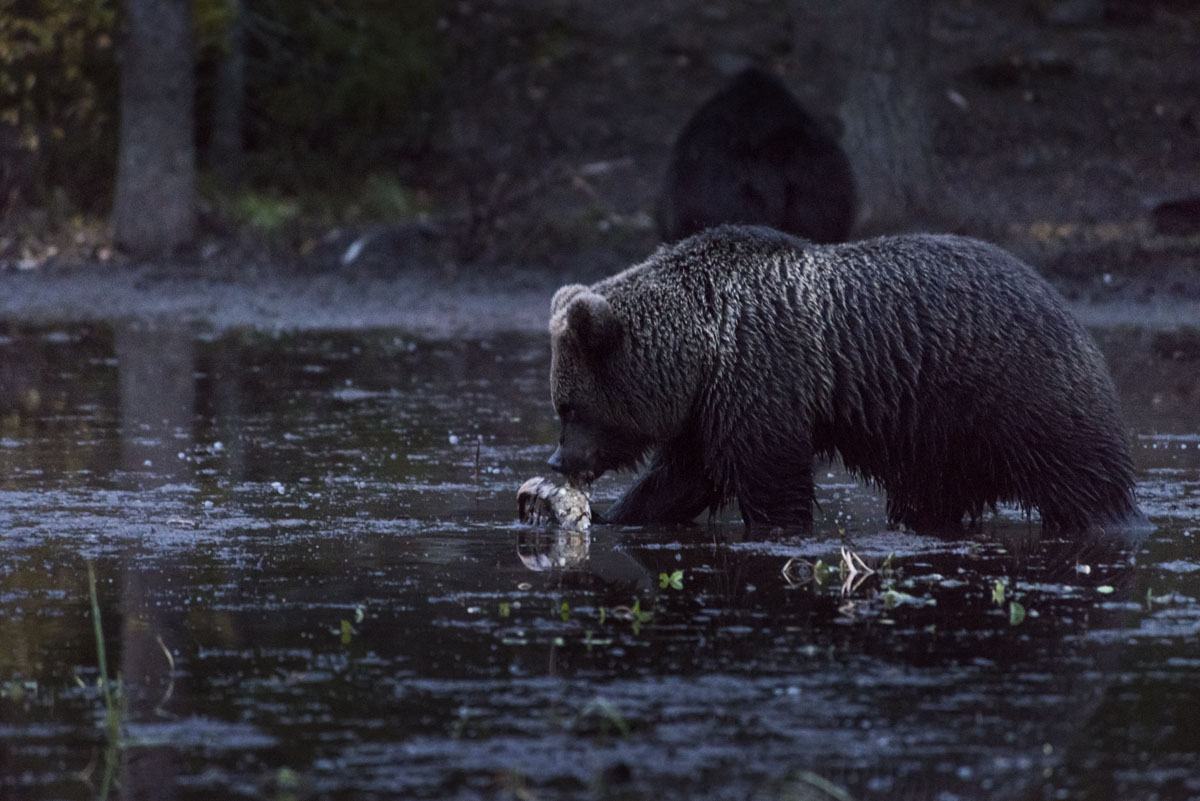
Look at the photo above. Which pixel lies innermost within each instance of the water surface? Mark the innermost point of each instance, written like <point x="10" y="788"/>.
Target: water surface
<point x="319" y="532"/>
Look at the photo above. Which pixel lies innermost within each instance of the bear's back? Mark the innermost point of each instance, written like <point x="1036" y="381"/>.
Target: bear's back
<point x="899" y="269"/>
<point x="950" y="312"/>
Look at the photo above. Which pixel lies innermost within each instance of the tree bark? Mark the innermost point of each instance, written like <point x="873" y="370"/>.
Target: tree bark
<point x="154" y="207"/>
<point x="871" y="56"/>
<point x="229" y="94"/>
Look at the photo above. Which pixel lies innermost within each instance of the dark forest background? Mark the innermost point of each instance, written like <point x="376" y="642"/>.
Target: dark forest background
<point x="485" y="132"/>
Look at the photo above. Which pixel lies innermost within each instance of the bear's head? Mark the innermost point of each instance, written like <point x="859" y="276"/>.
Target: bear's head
<point x="594" y="383"/>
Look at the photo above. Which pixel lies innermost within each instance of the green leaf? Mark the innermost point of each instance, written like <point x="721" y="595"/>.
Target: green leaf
<point x="505" y="609"/>
<point x="1105" y="589"/>
<point x="287" y="779"/>
<point x="639" y="616"/>
<point x="347" y="632"/>
<point x="673" y="580"/>
<point x="998" y="592"/>
<point x="1016" y="613"/>
<point x="564" y="611"/>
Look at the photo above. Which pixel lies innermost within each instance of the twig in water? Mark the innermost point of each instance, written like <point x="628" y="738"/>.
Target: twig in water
<point x="855" y="571"/>
<point x="162" y="702"/>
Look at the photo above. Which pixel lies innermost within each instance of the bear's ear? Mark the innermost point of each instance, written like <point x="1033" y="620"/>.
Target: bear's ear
<point x="564" y="296"/>
<point x="593" y="320"/>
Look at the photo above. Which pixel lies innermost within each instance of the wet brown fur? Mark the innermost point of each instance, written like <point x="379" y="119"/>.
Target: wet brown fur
<point x="941" y="368"/>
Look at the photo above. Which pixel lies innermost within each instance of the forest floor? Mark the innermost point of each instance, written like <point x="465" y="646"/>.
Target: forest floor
<point x="1053" y="140"/>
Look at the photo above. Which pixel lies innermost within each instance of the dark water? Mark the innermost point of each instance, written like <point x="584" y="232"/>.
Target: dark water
<point x="319" y="530"/>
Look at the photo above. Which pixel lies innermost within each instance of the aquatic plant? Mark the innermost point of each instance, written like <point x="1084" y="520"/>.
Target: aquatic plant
<point x="606" y="715"/>
<point x="634" y="614"/>
<point x="998" y="591"/>
<point x="113" y="707"/>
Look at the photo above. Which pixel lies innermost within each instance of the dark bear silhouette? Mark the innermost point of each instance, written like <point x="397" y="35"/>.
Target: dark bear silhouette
<point x="751" y="154"/>
<point x="941" y="368"/>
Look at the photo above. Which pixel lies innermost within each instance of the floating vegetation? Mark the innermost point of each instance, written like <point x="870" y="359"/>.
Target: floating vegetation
<point x="672" y="580"/>
<point x="894" y="598"/>
<point x="633" y="614"/>
<point x="590" y="641"/>
<point x="851" y="569"/>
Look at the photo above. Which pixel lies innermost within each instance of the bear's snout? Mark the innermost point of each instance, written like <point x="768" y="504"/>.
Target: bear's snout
<point x="572" y="464"/>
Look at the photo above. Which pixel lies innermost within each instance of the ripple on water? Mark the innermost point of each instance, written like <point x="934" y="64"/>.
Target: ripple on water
<point x="351" y="609"/>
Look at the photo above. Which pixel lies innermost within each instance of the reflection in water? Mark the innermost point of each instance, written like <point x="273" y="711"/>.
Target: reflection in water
<point x="157" y="400"/>
<point x="553" y="549"/>
<point x="319" y="529"/>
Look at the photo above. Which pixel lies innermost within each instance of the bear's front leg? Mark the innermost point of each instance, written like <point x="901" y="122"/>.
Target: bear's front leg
<point x="672" y="490"/>
<point x="776" y="493"/>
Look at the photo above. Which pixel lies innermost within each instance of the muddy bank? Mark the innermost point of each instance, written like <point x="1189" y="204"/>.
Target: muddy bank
<point x="419" y="304"/>
<point x="424" y="303"/>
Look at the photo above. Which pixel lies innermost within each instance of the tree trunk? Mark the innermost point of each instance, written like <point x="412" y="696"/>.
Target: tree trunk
<point x="154" y="207"/>
<point x="871" y="58"/>
<point x="229" y="93"/>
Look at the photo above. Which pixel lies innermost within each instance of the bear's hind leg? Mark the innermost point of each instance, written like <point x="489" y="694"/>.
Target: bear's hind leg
<point x="777" y="494"/>
<point x="930" y="511"/>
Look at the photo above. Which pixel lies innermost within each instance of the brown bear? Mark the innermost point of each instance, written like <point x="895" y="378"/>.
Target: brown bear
<point x="940" y="368"/>
<point x="752" y="154"/>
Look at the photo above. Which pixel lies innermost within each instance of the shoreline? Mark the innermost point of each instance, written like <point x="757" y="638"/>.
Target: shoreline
<point x="419" y="303"/>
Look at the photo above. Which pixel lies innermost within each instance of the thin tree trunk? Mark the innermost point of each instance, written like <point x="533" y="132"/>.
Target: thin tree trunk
<point x="154" y="207"/>
<point x="229" y="93"/>
<point x="872" y="55"/>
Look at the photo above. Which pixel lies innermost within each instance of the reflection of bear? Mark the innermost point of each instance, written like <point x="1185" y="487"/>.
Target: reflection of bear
<point x="939" y="367"/>
<point x="752" y="155"/>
